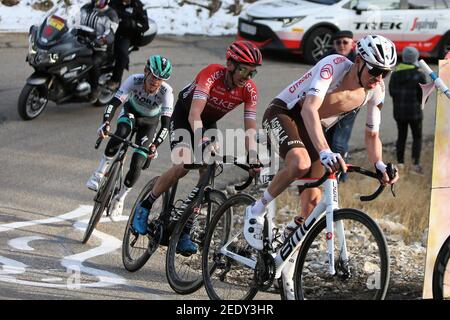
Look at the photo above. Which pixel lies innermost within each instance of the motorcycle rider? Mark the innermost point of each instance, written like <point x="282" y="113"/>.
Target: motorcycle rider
<point x="133" y="23"/>
<point x="104" y="20"/>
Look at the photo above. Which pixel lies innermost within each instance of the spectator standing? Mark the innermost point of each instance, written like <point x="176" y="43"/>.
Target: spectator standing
<point x="407" y="97"/>
<point x="339" y="135"/>
<point x="133" y="23"/>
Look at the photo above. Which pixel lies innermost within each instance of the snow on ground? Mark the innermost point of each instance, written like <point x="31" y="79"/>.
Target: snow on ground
<point x="170" y="17"/>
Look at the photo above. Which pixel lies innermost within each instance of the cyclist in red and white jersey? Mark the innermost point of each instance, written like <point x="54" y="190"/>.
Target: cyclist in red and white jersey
<point x="214" y="92"/>
<point x="333" y="87"/>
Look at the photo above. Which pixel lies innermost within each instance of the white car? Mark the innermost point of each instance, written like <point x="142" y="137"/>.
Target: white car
<point x="307" y="26"/>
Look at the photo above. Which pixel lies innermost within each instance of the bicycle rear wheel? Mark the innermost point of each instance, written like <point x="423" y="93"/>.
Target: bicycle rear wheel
<point x="225" y="278"/>
<point x="184" y="273"/>
<point x="102" y="199"/>
<point x="137" y="248"/>
<point x="441" y="273"/>
<point x="365" y="275"/>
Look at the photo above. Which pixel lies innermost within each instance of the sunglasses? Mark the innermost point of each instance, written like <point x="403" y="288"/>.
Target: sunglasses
<point x="375" y="72"/>
<point x="344" y="42"/>
<point x="245" y="73"/>
<point x="149" y="71"/>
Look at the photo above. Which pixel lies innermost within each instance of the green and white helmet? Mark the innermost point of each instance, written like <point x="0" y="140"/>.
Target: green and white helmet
<point x="159" y="66"/>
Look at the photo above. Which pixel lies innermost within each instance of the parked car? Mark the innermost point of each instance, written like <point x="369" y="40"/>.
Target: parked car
<point x="307" y="26"/>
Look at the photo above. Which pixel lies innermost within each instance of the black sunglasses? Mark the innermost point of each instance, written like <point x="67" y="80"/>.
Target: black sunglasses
<point x="375" y="72"/>
<point x="339" y="42"/>
<point x="245" y="73"/>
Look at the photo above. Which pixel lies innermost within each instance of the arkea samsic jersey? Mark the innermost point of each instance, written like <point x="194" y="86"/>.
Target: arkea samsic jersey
<point x="144" y="104"/>
<point x="210" y="85"/>
<point x="324" y="78"/>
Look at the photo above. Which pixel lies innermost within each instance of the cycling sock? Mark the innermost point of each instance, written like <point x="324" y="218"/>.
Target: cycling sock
<point x="124" y="192"/>
<point x="260" y="205"/>
<point x="148" y="202"/>
<point x="104" y="164"/>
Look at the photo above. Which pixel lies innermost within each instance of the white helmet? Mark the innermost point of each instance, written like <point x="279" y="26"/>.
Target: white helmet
<point x="377" y="51"/>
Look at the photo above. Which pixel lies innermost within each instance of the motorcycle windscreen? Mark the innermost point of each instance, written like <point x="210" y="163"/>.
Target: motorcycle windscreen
<point x="53" y="29"/>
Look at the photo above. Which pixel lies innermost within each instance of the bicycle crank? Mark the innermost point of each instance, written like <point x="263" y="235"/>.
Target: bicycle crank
<point x="154" y="234"/>
<point x="264" y="271"/>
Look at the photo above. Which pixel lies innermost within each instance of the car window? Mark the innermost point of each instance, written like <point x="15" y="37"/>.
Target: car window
<point x="421" y="4"/>
<point x="329" y="2"/>
<point x="442" y="4"/>
<point x="378" y="4"/>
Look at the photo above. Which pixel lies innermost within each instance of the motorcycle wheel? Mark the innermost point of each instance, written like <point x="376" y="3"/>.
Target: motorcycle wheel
<point x="32" y="101"/>
<point x="105" y="97"/>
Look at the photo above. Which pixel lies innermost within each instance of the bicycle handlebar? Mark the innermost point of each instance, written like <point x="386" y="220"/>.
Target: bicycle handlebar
<point x="226" y="159"/>
<point x="351" y="168"/>
<point x="127" y="142"/>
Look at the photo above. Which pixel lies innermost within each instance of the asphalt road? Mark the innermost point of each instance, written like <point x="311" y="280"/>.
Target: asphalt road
<point x="45" y="164"/>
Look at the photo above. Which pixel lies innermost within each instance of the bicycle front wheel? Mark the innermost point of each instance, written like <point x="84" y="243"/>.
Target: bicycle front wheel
<point x="441" y="273"/>
<point x="184" y="271"/>
<point x="102" y="199"/>
<point x="361" y="260"/>
<point x="225" y="277"/>
<point x="137" y="248"/>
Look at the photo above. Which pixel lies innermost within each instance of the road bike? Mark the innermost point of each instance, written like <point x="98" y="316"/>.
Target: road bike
<point x="111" y="183"/>
<point x="169" y="219"/>
<point x="337" y="253"/>
<point x="441" y="273"/>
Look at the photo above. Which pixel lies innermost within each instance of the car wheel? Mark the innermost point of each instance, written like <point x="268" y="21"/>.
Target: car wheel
<point x="317" y="44"/>
<point x="445" y="47"/>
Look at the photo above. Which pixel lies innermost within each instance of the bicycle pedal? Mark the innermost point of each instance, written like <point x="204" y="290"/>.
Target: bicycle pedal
<point x="184" y="254"/>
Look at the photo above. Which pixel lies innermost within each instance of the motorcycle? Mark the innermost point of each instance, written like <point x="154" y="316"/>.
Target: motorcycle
<point x="60" y="55"/>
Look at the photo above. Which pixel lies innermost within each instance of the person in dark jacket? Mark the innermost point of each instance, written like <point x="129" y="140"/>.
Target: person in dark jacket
<point x="407" y="97"/>
<point x="99" y="16"/>
<point x="338" y="135"/>
<point x="133" y="23"/>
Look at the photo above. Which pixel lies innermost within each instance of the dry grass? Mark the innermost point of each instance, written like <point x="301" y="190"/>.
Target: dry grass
<point x="411" y="205"/>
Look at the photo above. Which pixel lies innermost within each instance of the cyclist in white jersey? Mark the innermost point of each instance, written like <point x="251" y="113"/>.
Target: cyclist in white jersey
<point x="146" y="98"/>
<point x="297" y="115"/>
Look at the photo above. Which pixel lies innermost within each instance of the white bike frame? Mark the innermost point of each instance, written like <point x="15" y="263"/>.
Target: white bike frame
<point x="327" y="205"/>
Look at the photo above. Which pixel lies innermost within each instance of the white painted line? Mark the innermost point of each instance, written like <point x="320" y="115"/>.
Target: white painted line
<point x="80" y="211"/>
<point x="108" y="244"/>
<point x="11" y="266"/>
<point x="52" y="279"/>
<point x="73" y="264"/>
<point x="22" y="243"/>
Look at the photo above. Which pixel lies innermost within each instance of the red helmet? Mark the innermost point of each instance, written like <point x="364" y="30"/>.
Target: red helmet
<point x="244" y="52"/>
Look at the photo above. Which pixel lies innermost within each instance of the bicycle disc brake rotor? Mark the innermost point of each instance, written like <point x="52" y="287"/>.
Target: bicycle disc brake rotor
<point x="264" y="271"/>
<point x="343" y="270"/>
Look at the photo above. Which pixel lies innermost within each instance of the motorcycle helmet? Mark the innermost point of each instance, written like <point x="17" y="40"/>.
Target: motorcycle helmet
<point x="100" y="4"/>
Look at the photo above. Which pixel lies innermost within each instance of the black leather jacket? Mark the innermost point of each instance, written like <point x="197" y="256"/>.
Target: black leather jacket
<point x="133" y="18"/>
<point x="104" y="22"/>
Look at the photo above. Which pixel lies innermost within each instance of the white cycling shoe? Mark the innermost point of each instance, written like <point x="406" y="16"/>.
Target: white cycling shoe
<point x="253" y="229"/>
<point x="94" y="181"/>
<point x="116" y="210"/>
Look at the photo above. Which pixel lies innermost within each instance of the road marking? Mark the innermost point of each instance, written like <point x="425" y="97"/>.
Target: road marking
<point x="11" y="266"/>
<point x="52" y="279"/>
<point x="108" y="244"/>
<point x="80" y="211"/>
<point x="22" y="243"/>
<point x="73" y="263"/>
